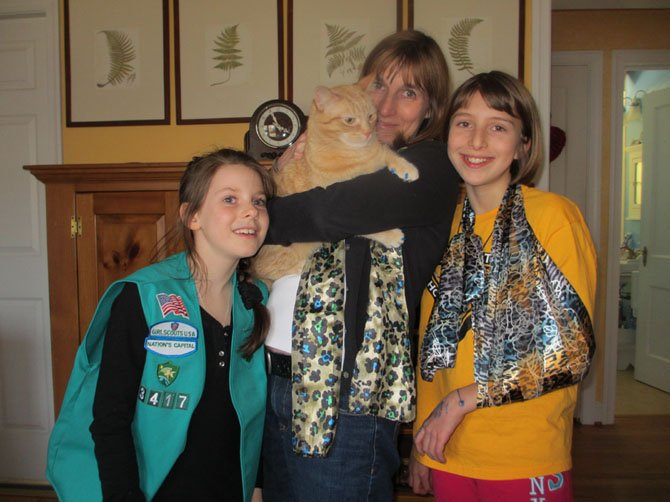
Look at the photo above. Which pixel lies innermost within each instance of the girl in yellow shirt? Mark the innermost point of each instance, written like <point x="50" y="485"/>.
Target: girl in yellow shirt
<point x="505" y="328"/>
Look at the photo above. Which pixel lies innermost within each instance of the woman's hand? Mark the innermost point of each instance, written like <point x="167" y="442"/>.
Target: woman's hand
<point x="419" y="476"/>
<point x="435" y="432"/>
<point x="293" y="152"/>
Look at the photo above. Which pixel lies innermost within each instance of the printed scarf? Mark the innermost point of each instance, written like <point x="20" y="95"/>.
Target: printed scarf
<point x="532" y="332"/>
<point x="383" y="377"/>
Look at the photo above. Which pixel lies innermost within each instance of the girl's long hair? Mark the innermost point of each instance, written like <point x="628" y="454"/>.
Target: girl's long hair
<point x="193" y="188"/>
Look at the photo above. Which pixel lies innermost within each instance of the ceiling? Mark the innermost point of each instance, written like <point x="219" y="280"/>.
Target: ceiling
<point x="609" y="4"/>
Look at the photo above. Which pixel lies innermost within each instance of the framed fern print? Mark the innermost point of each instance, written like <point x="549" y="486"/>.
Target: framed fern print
<point x="476" y="36"/>
<point x="329" y="41"/>
<point x="229" y="58"/>
<point x="116" y="62"/>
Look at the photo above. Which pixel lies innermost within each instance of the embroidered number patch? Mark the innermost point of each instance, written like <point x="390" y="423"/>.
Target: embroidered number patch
<point x="168" y="399"/>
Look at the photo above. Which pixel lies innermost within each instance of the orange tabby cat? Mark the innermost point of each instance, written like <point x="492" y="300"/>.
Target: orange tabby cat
<point x="341" y="144"/>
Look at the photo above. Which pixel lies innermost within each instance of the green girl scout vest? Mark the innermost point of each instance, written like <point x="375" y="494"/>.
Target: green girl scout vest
<point x="170" y="388"/>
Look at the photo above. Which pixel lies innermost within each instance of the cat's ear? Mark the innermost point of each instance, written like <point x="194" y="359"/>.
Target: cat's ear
<point x="365" y="82"/>
<point x="321" y="96"/>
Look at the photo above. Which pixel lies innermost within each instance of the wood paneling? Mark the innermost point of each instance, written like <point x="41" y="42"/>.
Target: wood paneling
<point x="125" y="210"/>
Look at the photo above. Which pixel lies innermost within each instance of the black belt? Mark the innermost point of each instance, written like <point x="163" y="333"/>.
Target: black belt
<point x="278" y="364"/>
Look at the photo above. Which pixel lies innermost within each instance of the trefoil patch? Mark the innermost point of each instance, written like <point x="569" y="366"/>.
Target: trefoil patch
<point x="167" y="373"/>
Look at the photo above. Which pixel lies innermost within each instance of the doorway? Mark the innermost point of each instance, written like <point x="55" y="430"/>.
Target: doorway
<point x="636" y="393"/>
<point x="632" y="307"/>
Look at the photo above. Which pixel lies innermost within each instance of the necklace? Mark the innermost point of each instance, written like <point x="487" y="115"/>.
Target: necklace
<point x="217" y="305"/>
<point x="487" y="240"/>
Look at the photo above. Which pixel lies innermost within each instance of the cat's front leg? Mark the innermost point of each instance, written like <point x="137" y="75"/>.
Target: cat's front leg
<point x="390" y="238"/>
<point x="402" y="168"/>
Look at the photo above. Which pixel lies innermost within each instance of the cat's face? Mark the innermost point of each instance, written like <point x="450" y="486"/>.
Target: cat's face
<point x="344" y="114"/>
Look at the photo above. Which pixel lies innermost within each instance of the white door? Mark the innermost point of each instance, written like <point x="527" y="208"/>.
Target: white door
<point x="576" y="83"/>
<point x="652" y="347"/>
<point x="575" y="89"/>
<point x="29" y="134"/>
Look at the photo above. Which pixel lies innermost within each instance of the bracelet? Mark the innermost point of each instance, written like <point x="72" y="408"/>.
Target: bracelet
<point x="461" y="403"/>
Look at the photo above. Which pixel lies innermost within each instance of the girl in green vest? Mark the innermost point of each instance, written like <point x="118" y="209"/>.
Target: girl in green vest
<point x="167" y="396"/>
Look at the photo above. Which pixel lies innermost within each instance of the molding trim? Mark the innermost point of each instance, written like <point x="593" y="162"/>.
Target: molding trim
<point x="541" y="75"/>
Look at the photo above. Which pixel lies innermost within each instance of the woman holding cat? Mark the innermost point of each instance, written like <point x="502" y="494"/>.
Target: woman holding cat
<point x="341" y="384"/>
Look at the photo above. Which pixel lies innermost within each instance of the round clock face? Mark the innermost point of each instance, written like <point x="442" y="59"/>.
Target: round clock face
<point x="278" y="125"/>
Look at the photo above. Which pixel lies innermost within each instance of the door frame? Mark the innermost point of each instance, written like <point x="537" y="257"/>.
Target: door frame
<point x="622" y="61"/>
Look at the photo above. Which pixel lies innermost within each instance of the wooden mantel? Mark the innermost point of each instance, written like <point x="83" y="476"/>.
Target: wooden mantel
<point x="84" y="173"/>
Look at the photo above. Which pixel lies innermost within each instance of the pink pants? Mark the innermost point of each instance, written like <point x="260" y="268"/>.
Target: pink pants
<point x="452" y="488"/>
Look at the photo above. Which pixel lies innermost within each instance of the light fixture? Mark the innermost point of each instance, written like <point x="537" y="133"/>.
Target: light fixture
<point x="634" y="110"/>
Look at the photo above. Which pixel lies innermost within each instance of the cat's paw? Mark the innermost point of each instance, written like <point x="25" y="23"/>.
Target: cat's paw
<point x="390" y="238"/>
<point x="403" y="169"/>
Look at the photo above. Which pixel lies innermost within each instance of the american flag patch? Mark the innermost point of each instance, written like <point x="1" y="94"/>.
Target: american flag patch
<point x="171" y="304"/>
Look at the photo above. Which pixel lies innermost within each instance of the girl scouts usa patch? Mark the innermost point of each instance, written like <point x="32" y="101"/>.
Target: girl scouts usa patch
<point x="173" y="339"/>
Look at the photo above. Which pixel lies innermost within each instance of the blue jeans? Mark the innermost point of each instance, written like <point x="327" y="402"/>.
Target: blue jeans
<point x="359" y="467"/>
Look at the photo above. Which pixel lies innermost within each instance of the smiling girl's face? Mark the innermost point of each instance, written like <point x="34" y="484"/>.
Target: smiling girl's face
<point x="482" y="144"/>
<point x="233" y="219"/>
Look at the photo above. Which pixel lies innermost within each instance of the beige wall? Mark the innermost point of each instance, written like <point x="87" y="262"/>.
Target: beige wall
<point x="608" y="30"/>
<point x="168" y="143"/>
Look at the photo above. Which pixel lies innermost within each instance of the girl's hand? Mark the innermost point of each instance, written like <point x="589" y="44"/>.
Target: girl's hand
<point x="419" y="477"/>
<point x="435" y="432"/>
<point x="293" y="152"/>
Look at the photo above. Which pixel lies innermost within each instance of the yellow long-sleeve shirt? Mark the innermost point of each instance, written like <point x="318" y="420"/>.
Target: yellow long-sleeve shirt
<point x="534" y="437"/>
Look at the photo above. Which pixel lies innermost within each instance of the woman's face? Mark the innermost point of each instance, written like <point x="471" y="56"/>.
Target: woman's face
<point x="401" y="106"/>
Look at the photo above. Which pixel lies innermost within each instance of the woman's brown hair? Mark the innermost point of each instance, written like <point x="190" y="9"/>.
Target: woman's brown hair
<point x="421" y="62"/>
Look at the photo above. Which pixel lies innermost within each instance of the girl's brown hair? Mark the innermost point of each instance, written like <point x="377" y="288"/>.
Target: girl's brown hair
<point x="421" y="62"/>
<point x="505" y="93"/>
<point x="193" y="188"/>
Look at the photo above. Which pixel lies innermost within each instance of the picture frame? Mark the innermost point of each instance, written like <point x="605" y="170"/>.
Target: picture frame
<point x="229" y="58"/>
<point x="328" y="41"/>
<point x="475" y="36"/>
<point x="116" y="63"/>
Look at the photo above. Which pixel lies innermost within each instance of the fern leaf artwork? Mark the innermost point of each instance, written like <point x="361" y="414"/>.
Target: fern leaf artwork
<point x="121" y="54"/>
<point x="459" y="43"/>
<point x="344" y="52"/>
<point x="227" y="55"/>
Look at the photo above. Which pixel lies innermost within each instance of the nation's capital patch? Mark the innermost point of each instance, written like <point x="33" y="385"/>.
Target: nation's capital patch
<point x="171" y="304"/>
<point x="172" y="339"/>
<point x="167" y="373"/>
